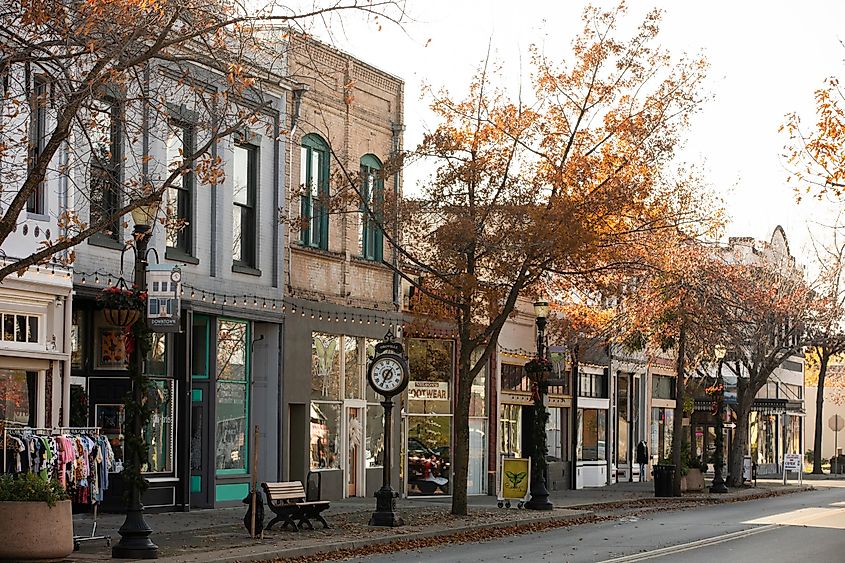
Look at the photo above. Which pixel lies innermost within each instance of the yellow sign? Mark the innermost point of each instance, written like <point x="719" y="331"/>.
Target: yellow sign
<point x="515" y="477"/>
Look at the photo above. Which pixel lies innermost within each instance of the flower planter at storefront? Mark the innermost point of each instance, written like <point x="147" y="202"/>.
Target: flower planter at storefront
<point x="35" y="531"/>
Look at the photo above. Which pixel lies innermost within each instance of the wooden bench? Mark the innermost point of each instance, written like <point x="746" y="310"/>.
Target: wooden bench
<point x="288" y="503"/>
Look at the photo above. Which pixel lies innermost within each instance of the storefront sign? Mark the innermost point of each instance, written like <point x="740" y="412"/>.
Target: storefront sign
<point x="428" y="391"/>
<point x="516" y="478"/>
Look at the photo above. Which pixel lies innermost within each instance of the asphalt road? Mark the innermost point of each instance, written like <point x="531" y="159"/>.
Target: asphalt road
<point x="802" y="527"/>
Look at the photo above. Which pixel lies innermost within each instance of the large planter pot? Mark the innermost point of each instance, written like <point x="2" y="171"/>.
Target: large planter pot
<point x="34" y="531"/>
<point x="692" y="481"/>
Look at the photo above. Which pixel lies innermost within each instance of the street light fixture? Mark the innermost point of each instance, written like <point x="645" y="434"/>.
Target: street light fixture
<point x="539" y="494"/>
<point x="135" y="533"/>
<point x="718" y="485"/>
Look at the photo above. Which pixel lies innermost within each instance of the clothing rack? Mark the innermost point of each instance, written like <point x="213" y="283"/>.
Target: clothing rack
<point x="78" y="540"/>
<point x="9" y="425"/>
<point x="16" y="426"/>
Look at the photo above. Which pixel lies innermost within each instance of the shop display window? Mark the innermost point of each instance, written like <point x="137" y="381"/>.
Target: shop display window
<point x="592" y="434"/>
<point x="18" y="396"/>
<point x="325" y="435"/>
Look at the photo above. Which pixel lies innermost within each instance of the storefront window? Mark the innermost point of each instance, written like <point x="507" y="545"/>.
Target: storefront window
<point x="374" y="445"/>
<point x="325" y="367"/>
<point x="232" y="411"/>
<point x="429" y="458"/>
<point x="511" y="430"/>
<point x="325" y="435"/>
<point x="157" y="360"/>
<point x="663" y="387"/>
<point x="554" y="433"/>
<point x="662" y="420"/>
<point x="592" y="441"/>
<point x="77" y="337"/>
<point x="763" y="438"/>
<point x="199" y="347"/>
<point x="18" y="396"/>
<point x="478" y="391"/>
<point x="353" y="368"/>
<point x="431" y="366"/>
<point x="159" y="431"/>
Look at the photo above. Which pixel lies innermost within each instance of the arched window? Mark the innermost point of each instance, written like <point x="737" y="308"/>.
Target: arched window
<point x="314" y="183"/>
<point x="370" y="234"/>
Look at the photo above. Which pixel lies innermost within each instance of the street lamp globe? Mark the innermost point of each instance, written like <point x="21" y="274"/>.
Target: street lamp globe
<point x="541" y="309"/>
<point x="144" y="215"/>
<point x="719" y="351"/>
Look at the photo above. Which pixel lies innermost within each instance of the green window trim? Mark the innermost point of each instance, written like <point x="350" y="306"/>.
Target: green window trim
<point x="371" y="236"/>
<point x="314" y="186"/>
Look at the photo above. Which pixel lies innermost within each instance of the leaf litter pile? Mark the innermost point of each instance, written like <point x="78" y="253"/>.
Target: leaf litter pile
<point x="592" y="513"/>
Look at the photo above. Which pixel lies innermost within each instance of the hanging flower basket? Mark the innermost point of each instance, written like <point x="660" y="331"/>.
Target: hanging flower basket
<point x="122" y="307"/>
<point x="538" y="369"/>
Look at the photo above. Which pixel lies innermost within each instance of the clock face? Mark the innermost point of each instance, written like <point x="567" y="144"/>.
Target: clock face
<point x="176" y="276"/>
<point x="388" y="375"/>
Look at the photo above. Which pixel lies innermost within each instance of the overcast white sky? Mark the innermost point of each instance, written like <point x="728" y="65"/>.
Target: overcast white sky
<point x="767" y="58"/>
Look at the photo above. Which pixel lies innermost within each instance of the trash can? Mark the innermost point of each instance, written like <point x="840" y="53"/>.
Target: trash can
<point x="663" y="477"/>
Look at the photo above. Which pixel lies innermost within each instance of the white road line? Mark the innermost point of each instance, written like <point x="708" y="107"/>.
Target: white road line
<point x="692" y="545"/>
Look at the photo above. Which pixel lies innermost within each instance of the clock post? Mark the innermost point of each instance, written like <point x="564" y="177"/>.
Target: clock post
<point x="387" y="375"/>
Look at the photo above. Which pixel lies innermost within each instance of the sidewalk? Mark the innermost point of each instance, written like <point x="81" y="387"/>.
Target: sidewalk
<point x="218" y="535"/>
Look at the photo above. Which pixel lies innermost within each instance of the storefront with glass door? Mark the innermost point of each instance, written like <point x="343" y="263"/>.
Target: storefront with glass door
<point x="99" y="387"/>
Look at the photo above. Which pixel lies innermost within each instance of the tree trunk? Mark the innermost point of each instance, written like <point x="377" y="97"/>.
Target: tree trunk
<point x="817" y="438"/>
<point x="678" y="421"/>
<point x="460" y="453"/>
<point x="740" y="440"/>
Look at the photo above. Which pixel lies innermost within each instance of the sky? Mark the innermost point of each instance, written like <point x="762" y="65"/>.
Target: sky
<point x="767" y="59"/>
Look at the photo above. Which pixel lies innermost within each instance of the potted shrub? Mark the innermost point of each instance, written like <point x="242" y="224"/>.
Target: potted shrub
<point x="122" y="306"/>
<point x="36" y="516"/>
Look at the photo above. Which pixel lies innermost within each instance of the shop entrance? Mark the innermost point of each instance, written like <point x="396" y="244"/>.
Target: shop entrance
<point x="201" y="477"/>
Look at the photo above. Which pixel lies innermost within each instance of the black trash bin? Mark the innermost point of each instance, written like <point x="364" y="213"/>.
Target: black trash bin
<point x="663" y="477"/>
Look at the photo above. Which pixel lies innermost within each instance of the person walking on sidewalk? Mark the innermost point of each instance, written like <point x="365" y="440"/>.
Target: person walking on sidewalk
<point x="642" y="458"/>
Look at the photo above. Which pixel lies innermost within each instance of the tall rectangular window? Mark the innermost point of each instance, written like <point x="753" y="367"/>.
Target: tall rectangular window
<point x="180" y="143"/>
<point x="37" y="141"/>
<point x="314" y="183"/>
<point x="244" y="194"/>
<point x="370" y="235"/>
<point x="105" y="165"/>
<point x="232" y="397"/>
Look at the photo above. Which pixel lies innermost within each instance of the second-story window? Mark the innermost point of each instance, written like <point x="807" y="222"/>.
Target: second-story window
<point x="370" y="236"/>
<point x="180" y="143"/>
<point x="105" y="166"/>
<point x="244" y="192"/>
<point x="37" y="141"/>
<point x="314" y="183"/>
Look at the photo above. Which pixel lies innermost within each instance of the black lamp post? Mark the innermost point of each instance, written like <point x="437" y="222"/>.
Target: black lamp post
<point x="135" y="533"/>
<point x="718" y="485"/>
<point x="539" y="493"/>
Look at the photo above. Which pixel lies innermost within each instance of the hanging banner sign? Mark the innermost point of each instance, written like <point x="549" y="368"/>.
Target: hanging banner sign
<point x="428" y="391"/>
<point x="164" y="301"/>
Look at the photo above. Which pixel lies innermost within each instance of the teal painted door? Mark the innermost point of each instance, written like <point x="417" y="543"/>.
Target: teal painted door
<point x="202" y="489"/>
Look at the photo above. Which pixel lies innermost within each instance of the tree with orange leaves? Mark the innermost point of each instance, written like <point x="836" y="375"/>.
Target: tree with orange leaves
<point x="88" y="87"/>
<point x="567" y="182"/>
<point x="817" y="153"/>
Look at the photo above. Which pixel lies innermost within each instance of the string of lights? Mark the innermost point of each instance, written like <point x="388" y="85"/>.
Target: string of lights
<point x="286" y="307"/>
